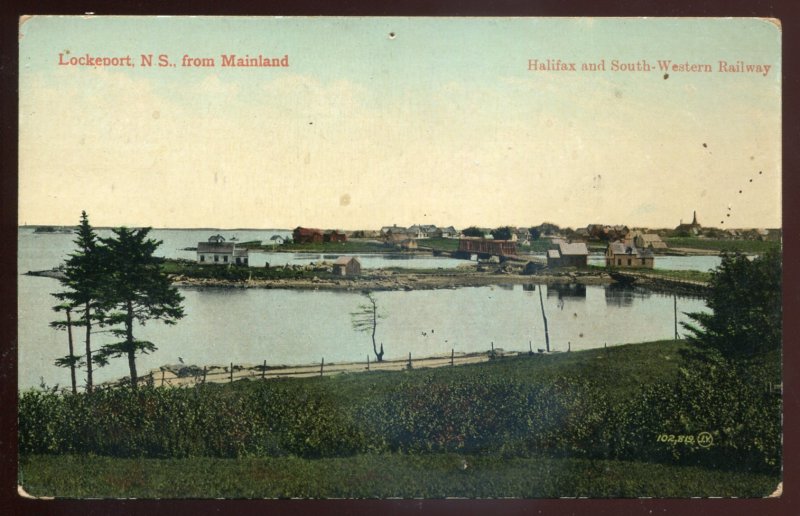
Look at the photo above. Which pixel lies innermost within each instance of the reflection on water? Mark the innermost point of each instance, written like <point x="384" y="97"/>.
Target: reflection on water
<point x="574" y="290"/>
<point x="624" y="295"/>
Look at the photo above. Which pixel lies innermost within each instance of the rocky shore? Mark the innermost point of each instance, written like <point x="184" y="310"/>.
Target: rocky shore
<point x="379" y="279"/>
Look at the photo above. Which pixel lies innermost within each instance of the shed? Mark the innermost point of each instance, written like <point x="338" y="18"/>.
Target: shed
<point x="346" y="266"/>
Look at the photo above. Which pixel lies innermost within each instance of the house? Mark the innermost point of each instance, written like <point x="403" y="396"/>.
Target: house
<point x="448" y="232"/>
<point x="416" y="231"/>
<point x="397" y="235"/>
<point x="334" y="236"/>
<point x="307" y="235"/>
<point x="649" y="241"/>
<point x="346" y="266"/>
<point x="218" y="251"/>
<point x="618" y="254"/>
<point x="385" y="230"/>
<point x="276" y="240"/>
<point x="568" y="255"/>
<point x="606" y="232"/>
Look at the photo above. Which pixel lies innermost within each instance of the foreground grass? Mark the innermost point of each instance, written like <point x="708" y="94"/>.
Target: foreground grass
<point x="621" y="371"/>
<point x="378" y="476"/>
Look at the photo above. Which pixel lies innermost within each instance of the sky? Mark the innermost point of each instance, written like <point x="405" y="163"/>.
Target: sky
<point x="380" y="121"/>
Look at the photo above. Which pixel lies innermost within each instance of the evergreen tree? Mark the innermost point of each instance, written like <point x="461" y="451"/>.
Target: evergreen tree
<point x="71" y="360"/>
<point x="502" y="233"/>
<point x="472" y="231"/>
<point x="138" y="291"/>
<point x="745" y="303"/>
<point x="84" y="283"/>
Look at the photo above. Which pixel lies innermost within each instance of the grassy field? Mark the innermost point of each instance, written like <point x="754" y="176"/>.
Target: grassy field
<point x="745" y="246"/>
<point x="351" y="246"/>
<point x="379" y="476"/>
<point x="565" y="424"/>
<point x="671" y="274"/>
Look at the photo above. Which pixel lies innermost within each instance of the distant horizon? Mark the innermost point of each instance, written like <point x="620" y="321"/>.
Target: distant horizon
<point x="384" y="225"/>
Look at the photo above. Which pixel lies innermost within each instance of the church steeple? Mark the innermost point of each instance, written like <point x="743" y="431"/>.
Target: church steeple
<point x="694" y="218"/>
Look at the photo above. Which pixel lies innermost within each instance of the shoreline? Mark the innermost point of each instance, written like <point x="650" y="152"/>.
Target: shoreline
<point x="380" y="279"/>
<point x="392" y="280"/>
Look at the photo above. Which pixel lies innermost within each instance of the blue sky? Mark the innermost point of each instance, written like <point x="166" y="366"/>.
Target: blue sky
<point x="441" y="123"/>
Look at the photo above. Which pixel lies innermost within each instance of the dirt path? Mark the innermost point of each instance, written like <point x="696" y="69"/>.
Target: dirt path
<point x="181" y="375"/>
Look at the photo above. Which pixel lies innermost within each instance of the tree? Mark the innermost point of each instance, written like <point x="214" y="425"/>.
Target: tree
<point x="71" y="360"/>
<point x="473" y="231"/>
<point x="502" y="233"/>
<point x="84" y="276"/>
<point x="366" y="318"/>
<point x="745" y="303"/>
<point x="138" y="291"/>
<point x="534" y="233"/>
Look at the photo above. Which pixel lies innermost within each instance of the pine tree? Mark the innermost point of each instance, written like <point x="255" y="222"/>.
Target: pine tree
<point x="71" y="360"/>
<point x="138" y="291"/>
<point x="84" y="283"/>
<point x="745" y="302"/>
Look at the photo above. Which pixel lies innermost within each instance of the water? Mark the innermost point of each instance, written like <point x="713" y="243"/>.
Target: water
<point x="299" y="327"/>
<point x="676" y="263"/>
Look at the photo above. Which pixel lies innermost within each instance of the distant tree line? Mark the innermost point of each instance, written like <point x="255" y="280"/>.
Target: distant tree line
<point x="111" y="285"/>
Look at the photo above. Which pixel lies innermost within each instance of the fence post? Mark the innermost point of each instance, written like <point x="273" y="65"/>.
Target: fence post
<point x="409" y="360"/>
<point x="367" y="361"/>
<point x="162" y="376"/>
<point x="231" y="371"/>
<point x="530" y="347"/>
<point x="205" y="370"/>
<point x="569" y="346"/>
<point x="264" y="370"/>
<point x="321" y="366"/>
<point x="452" y="355"/>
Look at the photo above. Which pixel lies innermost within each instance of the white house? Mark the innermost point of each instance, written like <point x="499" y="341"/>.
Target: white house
<point x="218" y="251"/>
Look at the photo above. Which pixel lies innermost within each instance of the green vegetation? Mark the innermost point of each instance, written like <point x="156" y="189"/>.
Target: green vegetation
<point x="193" y="269"/>
<point x="744" y="246"/>
<point x="745" y="299"/>
<point x="82" y="283"/>
<point x="113" y="282"/>
<point x="574" y="411"/>
<point x="536" y="246"/>
<point x="440" y="244"/>
<point x="379" y="476"/>
<point x="351" y="246"/>
<point x="663" y="273"/>
<point x="135" y="291"/>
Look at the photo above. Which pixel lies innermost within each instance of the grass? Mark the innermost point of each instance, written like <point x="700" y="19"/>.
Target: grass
<point x="744" y="246"/>
<point x="621" y="369"/>
<point x="351" y="246"/>
<point x="664" y="273"/>
<point x="619" y="373"/>
<point x="378" y="476"/>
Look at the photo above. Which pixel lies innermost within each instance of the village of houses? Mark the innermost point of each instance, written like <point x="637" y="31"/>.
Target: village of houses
<point x="623" y="247"/>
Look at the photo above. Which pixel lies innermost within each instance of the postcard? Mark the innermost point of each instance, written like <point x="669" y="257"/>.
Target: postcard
<point x="328" y="257"/>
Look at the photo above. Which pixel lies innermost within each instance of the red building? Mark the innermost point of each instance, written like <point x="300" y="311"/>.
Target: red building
<point x="334" y="236"/>
<point x="307" y="235"/>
